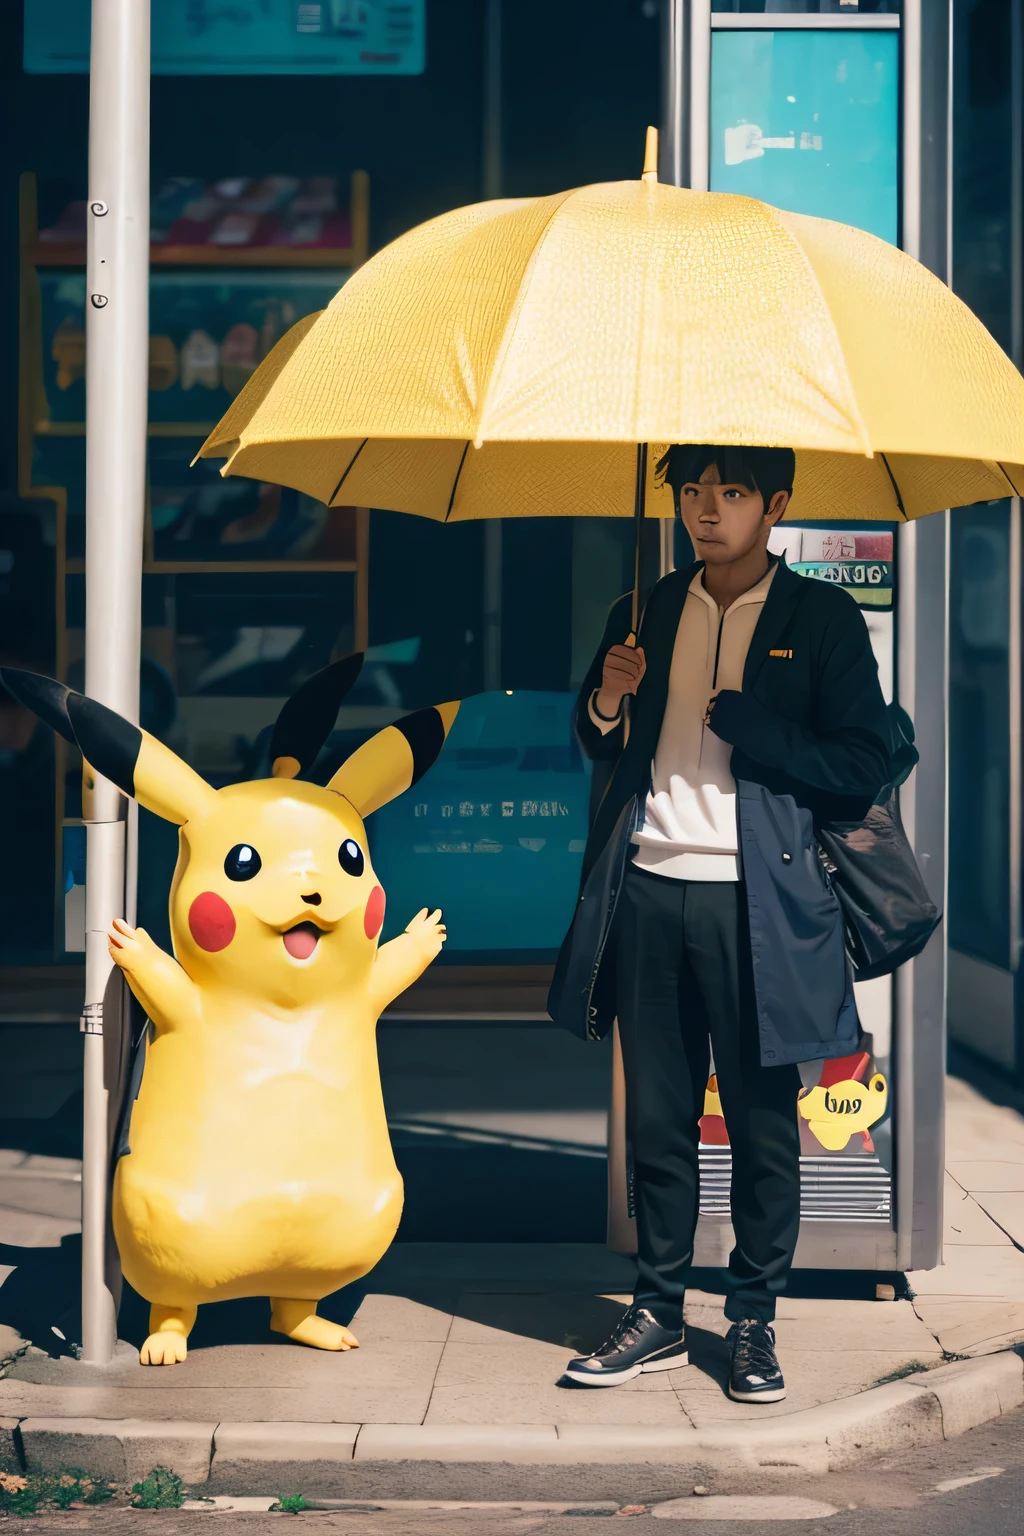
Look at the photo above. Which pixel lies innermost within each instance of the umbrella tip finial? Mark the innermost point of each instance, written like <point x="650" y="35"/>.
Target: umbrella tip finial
<point x="651" y="156"/>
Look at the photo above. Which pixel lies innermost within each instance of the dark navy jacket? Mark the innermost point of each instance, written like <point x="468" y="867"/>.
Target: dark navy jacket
<point x="810" y="745"/>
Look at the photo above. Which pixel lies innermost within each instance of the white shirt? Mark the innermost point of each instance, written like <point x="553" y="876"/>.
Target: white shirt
<point x="689" y="830"/>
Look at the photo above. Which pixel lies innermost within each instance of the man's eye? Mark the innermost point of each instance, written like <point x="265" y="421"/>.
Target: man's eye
<point x="689" y="490"/>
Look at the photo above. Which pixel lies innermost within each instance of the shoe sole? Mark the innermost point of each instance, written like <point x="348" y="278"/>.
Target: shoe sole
<point x="774" y="1396"/>
<point x="608" y="1379"/>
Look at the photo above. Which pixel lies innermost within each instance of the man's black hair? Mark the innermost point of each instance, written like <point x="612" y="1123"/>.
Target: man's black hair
<point x="768" y="470"/>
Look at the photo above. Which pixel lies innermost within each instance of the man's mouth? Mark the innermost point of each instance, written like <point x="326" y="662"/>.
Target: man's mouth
<point x="301" y="941"/>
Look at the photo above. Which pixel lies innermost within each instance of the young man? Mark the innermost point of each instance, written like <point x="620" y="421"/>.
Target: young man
<point x="754" y="715"/>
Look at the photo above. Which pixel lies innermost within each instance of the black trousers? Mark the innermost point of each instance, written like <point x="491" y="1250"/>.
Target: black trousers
<point x="685" y="974"/>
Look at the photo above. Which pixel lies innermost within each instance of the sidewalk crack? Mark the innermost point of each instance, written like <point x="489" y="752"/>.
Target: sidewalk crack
<point x="437" y="1367"/>
<point x="979" y="1201"/>
<point x="679" y="1399"/>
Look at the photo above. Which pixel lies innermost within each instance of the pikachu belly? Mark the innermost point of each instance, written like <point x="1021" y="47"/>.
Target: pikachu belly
<point x="289" y="1191"/>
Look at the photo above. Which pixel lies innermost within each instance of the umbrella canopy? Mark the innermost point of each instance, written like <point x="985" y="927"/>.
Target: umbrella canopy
<point x="504" y="360"/>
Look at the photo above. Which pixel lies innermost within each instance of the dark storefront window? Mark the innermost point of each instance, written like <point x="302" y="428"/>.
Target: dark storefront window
<point x="979" y="743"/>
<point x="983" y="162"/>
<point x="980" y="537"/>
<point x="27" y="639"/>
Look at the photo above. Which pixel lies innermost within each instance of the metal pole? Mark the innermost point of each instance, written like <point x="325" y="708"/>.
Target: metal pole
<point x="492" y="179"/>
<point x="700" y="94"/>
<point x="117" y="361"/>
<point x="673" y="166"/>
<point x="923" y="676"/>
<point x="1017" y="183"/>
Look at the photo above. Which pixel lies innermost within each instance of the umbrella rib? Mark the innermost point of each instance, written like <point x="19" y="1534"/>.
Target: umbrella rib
<point x="895" y="487"/>
<point x="1009" y="478"/>
<point x="348" y="471"/>
<point x="455" y="482"/>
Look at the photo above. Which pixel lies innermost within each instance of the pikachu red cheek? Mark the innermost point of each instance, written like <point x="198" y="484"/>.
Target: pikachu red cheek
<point x="211" y="922"/>
<point x="373" y="917"/>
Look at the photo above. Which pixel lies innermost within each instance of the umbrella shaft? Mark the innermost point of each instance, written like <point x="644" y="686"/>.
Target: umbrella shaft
<point x="639" y="498"/>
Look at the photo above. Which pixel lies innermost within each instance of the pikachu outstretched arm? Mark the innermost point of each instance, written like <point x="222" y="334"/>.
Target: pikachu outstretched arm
<point x="403" y="960"/>
<point x="166" y="992"/>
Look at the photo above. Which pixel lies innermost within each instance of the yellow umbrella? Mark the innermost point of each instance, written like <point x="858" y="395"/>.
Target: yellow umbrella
<point x="506" y="359"/>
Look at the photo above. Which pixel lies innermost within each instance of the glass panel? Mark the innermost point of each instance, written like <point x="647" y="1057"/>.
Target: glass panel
<point x="198" y="515"/>
<point x="207" y="332"/>
<point x="808" y="121"/>
<point x="979" y="745"/>
<point x="27" y="825"/>
<point x="983" y="162"/>
<point x="504" y="810"/>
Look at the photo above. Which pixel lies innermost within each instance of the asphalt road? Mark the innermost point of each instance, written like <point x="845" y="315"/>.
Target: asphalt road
<point x="973" y="1486"/>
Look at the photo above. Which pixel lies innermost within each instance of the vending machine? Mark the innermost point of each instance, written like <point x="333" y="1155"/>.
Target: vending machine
<point x="835" y="110"/>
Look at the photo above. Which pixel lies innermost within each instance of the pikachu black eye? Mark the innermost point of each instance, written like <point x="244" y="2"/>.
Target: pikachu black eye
<point x="350" y="857"/>
<point x="242" y="862"/>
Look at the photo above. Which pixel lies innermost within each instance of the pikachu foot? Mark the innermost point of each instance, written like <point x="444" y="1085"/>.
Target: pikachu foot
<point x="169" y="1331"/>
<point x="298" y="1321"/>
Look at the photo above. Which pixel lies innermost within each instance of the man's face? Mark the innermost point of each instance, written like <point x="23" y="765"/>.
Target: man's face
<point x="726" y="522"/>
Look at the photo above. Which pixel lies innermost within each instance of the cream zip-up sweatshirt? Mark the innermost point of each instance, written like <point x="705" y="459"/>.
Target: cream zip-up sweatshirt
<point x="689" y="830"/>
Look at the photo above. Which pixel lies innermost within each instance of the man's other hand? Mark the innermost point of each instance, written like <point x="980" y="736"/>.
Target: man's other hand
<point x="624" y="668"/>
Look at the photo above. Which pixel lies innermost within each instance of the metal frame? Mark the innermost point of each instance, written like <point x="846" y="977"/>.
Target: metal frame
<point x="806" y="21"/>
<point x="922" y="669"/>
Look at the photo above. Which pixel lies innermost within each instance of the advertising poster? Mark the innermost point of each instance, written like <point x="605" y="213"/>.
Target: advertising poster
<point x="248" y="37"/>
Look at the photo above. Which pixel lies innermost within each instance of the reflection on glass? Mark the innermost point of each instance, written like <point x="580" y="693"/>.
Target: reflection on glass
<point x="208" y="331"/>
<point x="198" y="515"/>
<point x="807" y="121"/>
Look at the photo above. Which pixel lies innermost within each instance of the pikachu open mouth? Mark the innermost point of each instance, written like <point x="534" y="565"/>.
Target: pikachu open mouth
<point x="301" y="941"/>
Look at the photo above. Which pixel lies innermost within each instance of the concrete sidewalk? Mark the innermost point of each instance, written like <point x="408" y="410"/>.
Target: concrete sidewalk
<point x="463" y="1345"/>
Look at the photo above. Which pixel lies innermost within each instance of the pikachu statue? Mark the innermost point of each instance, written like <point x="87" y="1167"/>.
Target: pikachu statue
<point x="259" y="1161"/>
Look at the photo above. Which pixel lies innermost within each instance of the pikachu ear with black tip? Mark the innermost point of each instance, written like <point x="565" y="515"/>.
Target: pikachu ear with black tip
<point x="44" y="696"/>
<point x="307" y="718"/>
<point x="394" y="759"/>
<point x="129" y="757"/>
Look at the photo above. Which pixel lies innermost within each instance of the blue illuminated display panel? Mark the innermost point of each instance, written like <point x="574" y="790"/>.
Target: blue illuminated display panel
<point x="494" y="833"/>
<point x="809" y="121"/>
<point x="247" y="37"/>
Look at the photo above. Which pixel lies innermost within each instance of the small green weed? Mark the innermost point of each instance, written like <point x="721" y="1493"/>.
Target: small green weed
<point x="291" y="1504"/>
<point x="910" y="1369"/>
<point x="23" y="1496"/>
<point x="162" y="1489"/>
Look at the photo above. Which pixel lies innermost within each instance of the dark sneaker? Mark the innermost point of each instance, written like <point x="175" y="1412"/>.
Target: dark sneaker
<point x="637" y="1343"/>
<point x="754" y="1375"/>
